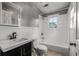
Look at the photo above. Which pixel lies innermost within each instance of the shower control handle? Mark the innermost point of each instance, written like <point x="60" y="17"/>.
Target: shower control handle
<point x="73" y="44"/>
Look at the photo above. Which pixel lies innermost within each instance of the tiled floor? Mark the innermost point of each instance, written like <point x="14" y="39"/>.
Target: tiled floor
<point x="54" y="53"/>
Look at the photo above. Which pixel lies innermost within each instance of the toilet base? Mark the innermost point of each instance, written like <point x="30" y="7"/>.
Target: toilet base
<point x="41" y="50"/>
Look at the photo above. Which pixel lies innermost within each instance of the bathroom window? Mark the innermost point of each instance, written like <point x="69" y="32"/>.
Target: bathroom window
<point x="53" y="22"/>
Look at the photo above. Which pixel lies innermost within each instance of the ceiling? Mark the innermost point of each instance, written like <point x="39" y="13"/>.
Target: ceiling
<point x="44" y="8"/>
<point x="50" y="7"/>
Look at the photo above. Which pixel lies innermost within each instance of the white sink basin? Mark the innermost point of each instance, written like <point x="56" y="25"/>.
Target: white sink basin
<point x="13" y="41"/>
<point x="6" y="45"/>
<point x="18" y="40"/>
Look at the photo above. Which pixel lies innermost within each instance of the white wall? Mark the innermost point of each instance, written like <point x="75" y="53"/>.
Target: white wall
<point x="22" y="32"/>
<point x="5" y="31"/>
<point x="59" y="36"/>
<point x="29" y="15"/>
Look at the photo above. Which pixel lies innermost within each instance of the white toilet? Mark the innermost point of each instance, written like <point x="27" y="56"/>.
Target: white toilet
<point x="43" y="48"/>
<point x="39" y="49"/>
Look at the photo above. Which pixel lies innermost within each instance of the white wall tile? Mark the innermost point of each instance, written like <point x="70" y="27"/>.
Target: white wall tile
<point x="22" y="32"/>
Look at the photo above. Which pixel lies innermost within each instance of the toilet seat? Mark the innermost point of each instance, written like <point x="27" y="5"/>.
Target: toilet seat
<point x="42" y="47"/>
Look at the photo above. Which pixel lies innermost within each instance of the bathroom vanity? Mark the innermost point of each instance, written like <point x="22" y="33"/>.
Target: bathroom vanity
<point x="10" y="16"/>
<point x="16" y="48"/>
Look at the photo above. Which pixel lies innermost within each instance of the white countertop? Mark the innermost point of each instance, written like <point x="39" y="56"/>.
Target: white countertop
<point x="6" y="45"/>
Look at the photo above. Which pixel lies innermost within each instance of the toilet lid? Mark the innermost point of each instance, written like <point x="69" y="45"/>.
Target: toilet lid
<point x="42" y="47"/>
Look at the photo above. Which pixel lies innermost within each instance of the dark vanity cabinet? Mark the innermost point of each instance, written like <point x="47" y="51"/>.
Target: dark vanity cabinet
<point x="24" y="50"/>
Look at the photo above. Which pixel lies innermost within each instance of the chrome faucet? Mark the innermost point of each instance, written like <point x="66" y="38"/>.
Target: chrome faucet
<point x="12" y="36"/>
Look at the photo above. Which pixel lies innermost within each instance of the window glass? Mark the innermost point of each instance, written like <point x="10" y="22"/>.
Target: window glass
<point x="53" y="22"/>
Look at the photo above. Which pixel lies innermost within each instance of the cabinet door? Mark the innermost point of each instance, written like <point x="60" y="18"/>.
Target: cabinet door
<point x="13" y="52"/>
<point x="26" y="51"/>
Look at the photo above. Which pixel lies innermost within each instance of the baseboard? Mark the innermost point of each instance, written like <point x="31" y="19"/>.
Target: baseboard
<point x="64" y="50"/>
